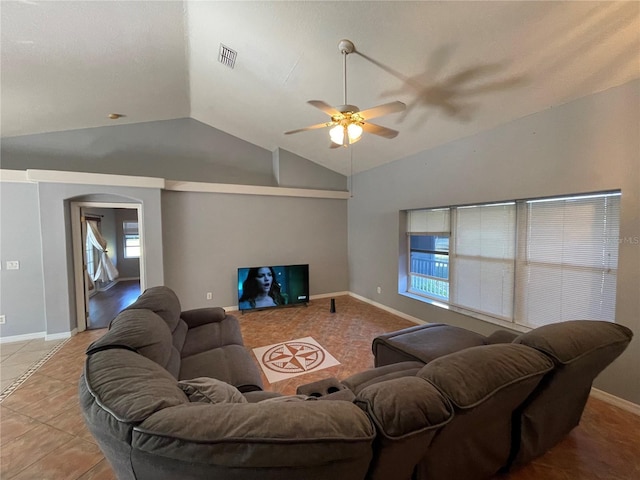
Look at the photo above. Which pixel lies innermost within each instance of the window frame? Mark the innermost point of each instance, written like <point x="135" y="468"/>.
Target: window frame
<point x="412" y="274"/>
<point x="130" y="233"/>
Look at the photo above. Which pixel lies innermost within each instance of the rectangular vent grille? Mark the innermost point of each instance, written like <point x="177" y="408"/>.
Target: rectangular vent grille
<point x="227" y="56"/>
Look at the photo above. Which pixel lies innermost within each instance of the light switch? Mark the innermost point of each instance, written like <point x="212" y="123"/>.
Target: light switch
<point x="13" y="265"/>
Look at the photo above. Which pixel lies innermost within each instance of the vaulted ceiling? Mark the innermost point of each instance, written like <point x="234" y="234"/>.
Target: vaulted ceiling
<point x="460" y="67"/>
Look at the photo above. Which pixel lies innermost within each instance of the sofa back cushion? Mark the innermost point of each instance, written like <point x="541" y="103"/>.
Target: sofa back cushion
<point x="129" y="386"/>
<point x="162" y="301"/>
<point x="266" y="440"/>
<point x="568" y="342"/>
<point x="146" y="333"/>
<point x="119" y="389"/>
<point x="581" y="349"/>
<point x="469" y="377"/>
<point x="407" y="412"/>
<point x="485" y="384"/>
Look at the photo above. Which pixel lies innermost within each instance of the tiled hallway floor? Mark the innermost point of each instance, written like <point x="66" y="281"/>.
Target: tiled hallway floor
<point x="17" y="358"/>
<point x="43" y="437"/>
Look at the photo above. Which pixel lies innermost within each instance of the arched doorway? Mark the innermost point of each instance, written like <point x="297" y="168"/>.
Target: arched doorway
<point x="98" y="301"/>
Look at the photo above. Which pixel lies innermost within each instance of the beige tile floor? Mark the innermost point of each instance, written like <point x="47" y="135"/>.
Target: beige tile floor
<point x="18" y="358"/>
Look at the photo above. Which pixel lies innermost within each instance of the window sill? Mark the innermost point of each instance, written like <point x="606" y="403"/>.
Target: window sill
<point x="468" y="313"/>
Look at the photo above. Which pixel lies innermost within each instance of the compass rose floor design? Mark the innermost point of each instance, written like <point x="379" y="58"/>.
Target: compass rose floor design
<point x="290" y="359"/>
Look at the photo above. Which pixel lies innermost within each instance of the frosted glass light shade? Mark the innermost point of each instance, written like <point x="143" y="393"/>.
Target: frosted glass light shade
<point x="354" y="131"/>
<point x="337" y="134"/>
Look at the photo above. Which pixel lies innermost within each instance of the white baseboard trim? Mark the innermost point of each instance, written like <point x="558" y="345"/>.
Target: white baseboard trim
<point x="36" y="335"/>
<point x="61" y="336"/>
<point x="388" y="309"/>
<point x="234" y="308"/>
<point x="22" y="338"/>
<point x="328" y="295"/>
<point x="616" y="401"/>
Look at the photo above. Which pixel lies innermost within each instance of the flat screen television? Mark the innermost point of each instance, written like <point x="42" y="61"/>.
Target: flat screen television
<point x="272" y="286"/>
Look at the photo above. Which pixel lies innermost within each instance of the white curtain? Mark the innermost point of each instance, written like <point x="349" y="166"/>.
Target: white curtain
<point x="106" y="270"/>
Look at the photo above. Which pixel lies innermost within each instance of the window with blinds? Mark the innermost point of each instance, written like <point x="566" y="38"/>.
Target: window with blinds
<point x="567" y="259"/>
<point x="131" y="239"/>
<point x="428" y="234"/>
<point x="483" y="258"/>
<point x="530" y="262"/>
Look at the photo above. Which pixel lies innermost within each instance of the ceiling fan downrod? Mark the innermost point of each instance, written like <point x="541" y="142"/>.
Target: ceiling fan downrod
<point x="345" y="47"/>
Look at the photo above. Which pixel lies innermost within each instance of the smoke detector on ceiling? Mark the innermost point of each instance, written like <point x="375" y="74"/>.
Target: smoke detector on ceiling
<point x="227" y="56"/>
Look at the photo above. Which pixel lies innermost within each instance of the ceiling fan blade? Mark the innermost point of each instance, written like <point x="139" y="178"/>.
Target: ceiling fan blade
<point x="311" y="127"/>
<point x="325" y="107"/>
<point x="380" y="110"/>
<point x="379" y="130"/>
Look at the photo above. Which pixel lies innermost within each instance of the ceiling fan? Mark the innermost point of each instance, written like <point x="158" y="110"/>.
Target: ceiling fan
<point x="347" y="121"/>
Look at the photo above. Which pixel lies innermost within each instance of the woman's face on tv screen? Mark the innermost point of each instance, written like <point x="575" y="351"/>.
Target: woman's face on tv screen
<point x="264" y="279"/>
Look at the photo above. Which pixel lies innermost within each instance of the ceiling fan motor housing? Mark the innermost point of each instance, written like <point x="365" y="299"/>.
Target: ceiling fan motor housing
<point x="347" y="109"/>
<point x="346" y="46"/>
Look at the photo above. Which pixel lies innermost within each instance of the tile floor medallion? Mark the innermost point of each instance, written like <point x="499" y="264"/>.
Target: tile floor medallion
<point x="284" y="360"/>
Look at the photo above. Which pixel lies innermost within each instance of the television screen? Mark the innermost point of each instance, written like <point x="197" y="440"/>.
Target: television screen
<point x="272" y="286"/>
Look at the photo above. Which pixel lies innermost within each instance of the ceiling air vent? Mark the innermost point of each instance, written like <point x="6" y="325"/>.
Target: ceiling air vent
<point x="227" y="56"/>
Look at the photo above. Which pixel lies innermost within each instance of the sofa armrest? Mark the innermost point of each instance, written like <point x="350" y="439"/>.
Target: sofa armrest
<point x="200" y="316"/>
<point x="363" y="379"/>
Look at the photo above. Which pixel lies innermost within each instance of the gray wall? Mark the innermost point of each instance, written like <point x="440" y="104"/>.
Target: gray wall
<point x="208" y="236"/>
<point x="292" y="170"/>
<point x="182" y="149"/>
<point x="591" y="144"/>
<point x="57" y="255"/>
<point x="21" y="291"/>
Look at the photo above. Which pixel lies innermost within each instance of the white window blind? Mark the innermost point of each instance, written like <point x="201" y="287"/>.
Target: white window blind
<point x="428" y="221"/>
<point x="130" y="227"/>
<point x="483" y="258"/>
<point x="568" y="257"/>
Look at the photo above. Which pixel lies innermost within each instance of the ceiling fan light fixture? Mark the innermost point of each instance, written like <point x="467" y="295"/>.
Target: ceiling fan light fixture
<point x="347" y="121"/>
<point x="354" y="131"/>
<point x="337" y="134"/>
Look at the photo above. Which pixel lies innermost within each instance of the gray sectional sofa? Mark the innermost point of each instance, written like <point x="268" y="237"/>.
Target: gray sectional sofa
<point x="175" y="395"/>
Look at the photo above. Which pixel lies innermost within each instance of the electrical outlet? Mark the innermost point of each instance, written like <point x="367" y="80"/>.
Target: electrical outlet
<point x="209" y="295"/>
<point x="3" y="320"/>
<point x="379" y="289"/>
<point x="13" y="265"/>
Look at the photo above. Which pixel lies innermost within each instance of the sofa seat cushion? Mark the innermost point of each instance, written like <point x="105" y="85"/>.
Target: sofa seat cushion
<point x="212" y="335"/>
<point x="211" y="390"/>
<point x="422" y="343"/>
<point x="471" y="376"/>
<point x="566" y="342"/>
<point x="232" y="364"/>
<point x="258" y="435"/>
